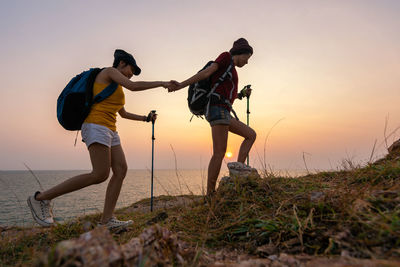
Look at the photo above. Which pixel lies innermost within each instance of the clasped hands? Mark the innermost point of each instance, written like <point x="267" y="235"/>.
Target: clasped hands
<point x="172" y="86"/>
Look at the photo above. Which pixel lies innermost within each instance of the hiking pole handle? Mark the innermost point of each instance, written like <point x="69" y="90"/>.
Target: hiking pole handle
<point x="247" y="96"/>
<point x="245" y="88"/>
<point x="243" y="93"/>
<point x="248" y="101"/>
<point x="153" y="112"/>
<point x="152" y="122"/>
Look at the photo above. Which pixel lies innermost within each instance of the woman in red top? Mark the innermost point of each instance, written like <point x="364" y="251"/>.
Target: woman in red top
<point x="219" y="112"/>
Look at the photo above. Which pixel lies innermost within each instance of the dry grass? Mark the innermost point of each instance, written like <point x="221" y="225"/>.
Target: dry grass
<point x="355" y="211"/>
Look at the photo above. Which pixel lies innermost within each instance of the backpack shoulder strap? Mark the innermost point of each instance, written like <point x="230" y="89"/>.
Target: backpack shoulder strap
<point x="109" y="90"/>
<point x="89" y="84"/>
<point x="228" y="70"/>
<point x="212" y="91"/>
<point x="221" y="79"/>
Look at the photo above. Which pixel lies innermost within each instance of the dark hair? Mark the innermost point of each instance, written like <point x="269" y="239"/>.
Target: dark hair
<point x="241" y="46"/>
<point x="117" y="61"/>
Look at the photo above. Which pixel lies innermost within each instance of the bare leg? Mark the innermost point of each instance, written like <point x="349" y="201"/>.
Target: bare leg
<point x="239" y="128"/>
<point x="100" y="157"/>
<point x="220" y="139"/>
<point x="119" y="168"/>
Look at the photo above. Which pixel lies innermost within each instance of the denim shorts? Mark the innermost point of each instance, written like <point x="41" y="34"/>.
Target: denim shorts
<point x="218" y="115"/>
<point x="96" y="133"/>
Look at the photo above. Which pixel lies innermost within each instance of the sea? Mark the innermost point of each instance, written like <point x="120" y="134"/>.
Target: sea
<point x="16" y="186"/>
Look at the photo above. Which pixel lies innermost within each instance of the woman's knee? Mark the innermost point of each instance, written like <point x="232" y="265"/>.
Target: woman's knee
<point x="252" y="135"/>
<point x="120" y="170"/>
<point x="99" y="176"/>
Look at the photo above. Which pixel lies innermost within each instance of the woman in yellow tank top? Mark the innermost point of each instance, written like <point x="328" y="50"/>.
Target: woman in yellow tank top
<point x="99" y="134"/>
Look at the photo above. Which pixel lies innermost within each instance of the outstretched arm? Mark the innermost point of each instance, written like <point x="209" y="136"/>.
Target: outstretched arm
<point x="204" y="74"/>
<point x="116" y="76"/>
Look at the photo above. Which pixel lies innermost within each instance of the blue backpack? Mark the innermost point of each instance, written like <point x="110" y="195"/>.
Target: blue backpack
<point x="76" y="100"/>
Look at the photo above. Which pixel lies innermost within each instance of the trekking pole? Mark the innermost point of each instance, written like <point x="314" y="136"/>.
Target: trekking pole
<point x="152" y="160"/>
<point x="248" y="115"/>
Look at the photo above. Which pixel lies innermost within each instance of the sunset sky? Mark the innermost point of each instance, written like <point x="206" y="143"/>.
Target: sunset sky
<point x="328" y="71"/>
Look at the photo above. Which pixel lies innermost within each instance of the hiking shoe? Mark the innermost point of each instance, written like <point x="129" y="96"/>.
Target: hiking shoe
<point x="41" y="211"/>
<point x="114" y="224"/>
<point x="238" y="168"/>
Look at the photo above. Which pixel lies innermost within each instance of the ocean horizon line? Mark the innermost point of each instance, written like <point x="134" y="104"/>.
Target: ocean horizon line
<point x="161" y="169"/>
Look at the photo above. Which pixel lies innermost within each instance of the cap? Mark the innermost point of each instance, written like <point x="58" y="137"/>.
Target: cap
<point x="128" y="58"/>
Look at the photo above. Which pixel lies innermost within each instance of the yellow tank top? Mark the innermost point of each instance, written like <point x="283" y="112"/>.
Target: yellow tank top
<point x="105" y="112"/>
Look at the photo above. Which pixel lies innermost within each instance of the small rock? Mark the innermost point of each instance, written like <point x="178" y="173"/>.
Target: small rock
<point x="395" y="146"/>
<point x="273" y="257"/>
<point x="155" y="246"/>
<point x="316" y="196"/>
<point x="94" y="248"/>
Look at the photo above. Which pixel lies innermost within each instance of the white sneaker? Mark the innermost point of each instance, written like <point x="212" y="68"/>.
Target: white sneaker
<point x="41" y="211"/>
<point x="238" y="168"/>
<point x="115" y="224"/>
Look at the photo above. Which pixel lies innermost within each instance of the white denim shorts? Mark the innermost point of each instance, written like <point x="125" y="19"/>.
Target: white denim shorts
<point x="95" y="133"/>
